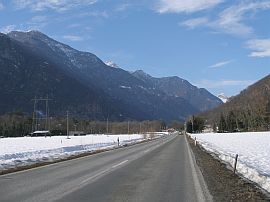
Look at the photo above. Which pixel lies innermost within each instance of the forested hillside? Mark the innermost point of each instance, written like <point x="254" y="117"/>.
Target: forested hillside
<point x="248" y="111"/>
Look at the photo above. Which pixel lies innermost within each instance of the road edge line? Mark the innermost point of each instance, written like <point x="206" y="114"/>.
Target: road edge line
<point x="201" y="188"/>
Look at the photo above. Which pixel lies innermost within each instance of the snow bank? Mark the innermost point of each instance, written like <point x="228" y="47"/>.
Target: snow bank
<point x="23" y="151"/>
<point x="253" y="149"/>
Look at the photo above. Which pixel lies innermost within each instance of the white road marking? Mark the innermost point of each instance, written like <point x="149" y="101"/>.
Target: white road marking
<point x="119" y="164"/>
<point x="146" y="150"/>
<point x="95" y="176"/>
<point x="103" y="172"/>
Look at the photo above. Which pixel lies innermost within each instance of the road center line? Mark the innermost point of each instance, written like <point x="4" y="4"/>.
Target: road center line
<point x="119" y="164"/>
<point x="146" y="150"/>
<point x="102" y="172"/>
<point x="95" y="176"/>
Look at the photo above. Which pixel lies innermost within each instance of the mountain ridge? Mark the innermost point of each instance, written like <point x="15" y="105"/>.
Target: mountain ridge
<point x="178" y="87"/>
<point x="122" y="94"/>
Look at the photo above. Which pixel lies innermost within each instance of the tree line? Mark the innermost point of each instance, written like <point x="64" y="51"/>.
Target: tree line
<point x="195" y="124"/>
<point x="17" y="124"/>
<point x="232" y="121"/>
<point x="243" y="121"/>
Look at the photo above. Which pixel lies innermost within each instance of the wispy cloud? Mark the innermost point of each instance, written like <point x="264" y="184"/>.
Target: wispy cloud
<point x="58" y="5"/>
<point x="185" y="6"/>
<point x="123" y="7"/>
<point x="37" y="22"/>
<point x="102" y="14"/>
<point x="221" y="64"/>
<point x="259" y="47"/>
<point x="231" y="20"/>
<point x="8" y="28"/>
<point x="224" y="83"/>
<point x="195" y="22"/>
<point x="74" y="25"/>
<point x="1" y="6"/>
<point x="73" y="38"/>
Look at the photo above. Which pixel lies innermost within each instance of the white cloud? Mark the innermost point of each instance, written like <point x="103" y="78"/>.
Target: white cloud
<point x="195" y="22"/>
<point x="186" y="6"/>
<point x="231" y="20"/>
<point x="260" y="47"/>
<point x="221" y="64"/>
<point x="1" y="6"/>
<point x="37" y="22"/>
<point x="8" y="28"/>
<point x="102" y="14"/>
<point x="224" y="83"/>
<point x="75" y="25"/>
<point x="73" y="38"/>
<point x="58" y="5"/>
<point x="39" y="18"/>
<point x="123" y="7"/>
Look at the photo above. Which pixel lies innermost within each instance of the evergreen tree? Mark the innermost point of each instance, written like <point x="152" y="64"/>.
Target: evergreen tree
<point x="231" y="122"/>
<point x="267" y="115"/>
<point x="222" y="126"/>
<point x="195" y="125"/>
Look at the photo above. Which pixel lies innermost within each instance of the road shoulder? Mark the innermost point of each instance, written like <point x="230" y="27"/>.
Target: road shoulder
<point x="203" y="193"/>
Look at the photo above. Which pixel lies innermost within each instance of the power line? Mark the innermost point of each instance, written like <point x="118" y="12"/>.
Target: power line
<point x="35" y="116"/>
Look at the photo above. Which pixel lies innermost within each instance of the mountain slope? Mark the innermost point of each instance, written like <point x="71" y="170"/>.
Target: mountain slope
<point x="81" y="82"/>
<point x="24" y="75"/>
<point x="250" y="110"/>
<point x="177" y="87"/>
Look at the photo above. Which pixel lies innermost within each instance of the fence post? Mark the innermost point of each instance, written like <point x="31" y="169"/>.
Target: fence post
<point x="235" y="163"/>
<point x="195" y="141"/>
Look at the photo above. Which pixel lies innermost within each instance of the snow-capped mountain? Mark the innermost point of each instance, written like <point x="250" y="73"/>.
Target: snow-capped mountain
<point x="83" y="84"/>
<point x="111" y="64"/>
<point x="223" y="97"/>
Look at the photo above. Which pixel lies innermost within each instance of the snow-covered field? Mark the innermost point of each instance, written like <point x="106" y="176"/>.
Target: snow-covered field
<point x="22" y="151"/>
<point x="253" y="149"/>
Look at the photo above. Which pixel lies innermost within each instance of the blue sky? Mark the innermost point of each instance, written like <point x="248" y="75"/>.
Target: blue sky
<point x="222" y="45"/>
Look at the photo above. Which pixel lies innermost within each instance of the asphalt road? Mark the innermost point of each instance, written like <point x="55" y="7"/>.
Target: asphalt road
<point x="161" y="170"/>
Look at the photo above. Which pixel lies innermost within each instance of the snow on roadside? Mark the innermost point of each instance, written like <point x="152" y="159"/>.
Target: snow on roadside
<point x="23" y="151"/>
<point x="253" y="149"/>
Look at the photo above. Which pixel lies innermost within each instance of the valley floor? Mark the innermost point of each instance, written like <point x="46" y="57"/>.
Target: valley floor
<point x="26" y="151"/>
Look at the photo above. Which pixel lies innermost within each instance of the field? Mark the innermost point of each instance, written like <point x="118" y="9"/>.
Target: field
<point x="24" y="151"/>
<point x="253" y="149"/>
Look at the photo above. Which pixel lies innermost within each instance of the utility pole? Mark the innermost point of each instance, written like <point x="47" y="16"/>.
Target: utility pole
<point x="50" y="122"/>
<point x="140" y="127"/>
<point x="34" y="116"/>
<point x="128" y="127"/>
<point x="35" y="121"/>
<point x="192" y="121"/>
<point x="107" y="125"/>
<point x="67" y="127"/>
<point x="47" y="114"/>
